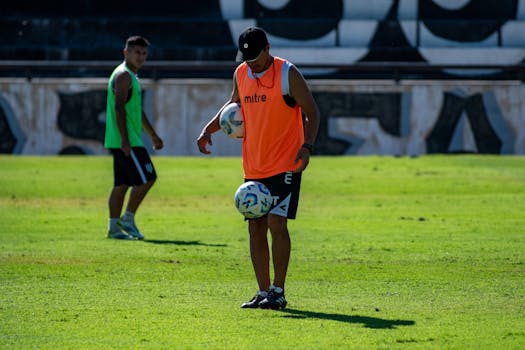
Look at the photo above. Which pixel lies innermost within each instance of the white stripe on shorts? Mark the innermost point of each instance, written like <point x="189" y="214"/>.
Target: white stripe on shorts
<point x="139" y="168"/>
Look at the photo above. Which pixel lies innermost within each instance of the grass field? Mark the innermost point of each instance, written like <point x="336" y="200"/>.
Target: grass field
<point x="387" y="253"/>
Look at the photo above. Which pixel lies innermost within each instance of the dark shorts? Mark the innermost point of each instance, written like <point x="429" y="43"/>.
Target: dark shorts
<point x="285" y="188"/>
<point x="133" y="170"/>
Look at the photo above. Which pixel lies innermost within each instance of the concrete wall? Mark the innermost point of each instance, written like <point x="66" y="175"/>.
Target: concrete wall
<point x="52" y="116"/>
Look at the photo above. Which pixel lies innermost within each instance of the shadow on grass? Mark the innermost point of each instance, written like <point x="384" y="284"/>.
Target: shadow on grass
<point x="196" y="243"/>
<point x="367" y="322"/>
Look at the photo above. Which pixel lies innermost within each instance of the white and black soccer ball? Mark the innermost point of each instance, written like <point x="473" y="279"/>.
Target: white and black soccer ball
<point x="231" y="121"/>
<point x="253" y="199"/>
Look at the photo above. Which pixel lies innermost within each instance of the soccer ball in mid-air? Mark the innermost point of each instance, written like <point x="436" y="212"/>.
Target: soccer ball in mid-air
<point x="231" y="121"/>
<point x="253" y="199"/>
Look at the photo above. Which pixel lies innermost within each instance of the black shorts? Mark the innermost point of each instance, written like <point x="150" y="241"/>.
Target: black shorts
<point x="285" y="188"/>
<point x="133" y="170"/>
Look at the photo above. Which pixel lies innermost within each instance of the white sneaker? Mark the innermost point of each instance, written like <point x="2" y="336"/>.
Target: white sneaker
<point x="130" y="228"/>
<point x="118" y="234"/>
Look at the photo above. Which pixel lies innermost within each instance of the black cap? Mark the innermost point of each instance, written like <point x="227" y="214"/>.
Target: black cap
<point x="251" y="42"/>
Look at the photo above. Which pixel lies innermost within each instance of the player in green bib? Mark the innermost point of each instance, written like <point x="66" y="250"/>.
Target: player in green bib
<point x="125" y="120"/>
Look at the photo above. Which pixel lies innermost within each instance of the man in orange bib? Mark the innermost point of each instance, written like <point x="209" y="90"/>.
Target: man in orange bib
<point x="276" y="149"/>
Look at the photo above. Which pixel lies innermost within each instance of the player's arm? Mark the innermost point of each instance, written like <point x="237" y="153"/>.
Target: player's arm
<point x="303" y="96"/>
<point x="213" y="125"/>
<point x="146" y="125"/>
<point x="122" y="86"/>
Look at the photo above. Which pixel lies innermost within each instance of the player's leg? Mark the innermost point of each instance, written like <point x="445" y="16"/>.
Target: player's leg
<point x="259" y="251"/>
<point x="137" y="195"/>
<point x="281" y="248"/>
<point x="116" y="200"/>
<point x="115" y="204"/>
<point x="142" y="176"/>
<point x="281" y="256"/>
<point x="260" y="255"/>
<point x="285" y="188"/>
<point x="117" y="195"/>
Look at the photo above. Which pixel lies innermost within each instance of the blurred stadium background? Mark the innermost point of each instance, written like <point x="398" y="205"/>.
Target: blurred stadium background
<point x="393" y="77"/>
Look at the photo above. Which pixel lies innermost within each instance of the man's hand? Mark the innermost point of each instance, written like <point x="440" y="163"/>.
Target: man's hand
<point x="125" y="147"/>
<point x="157" y="142"/>
<point x="303" y="155"/>
<point x="202" y="141"/>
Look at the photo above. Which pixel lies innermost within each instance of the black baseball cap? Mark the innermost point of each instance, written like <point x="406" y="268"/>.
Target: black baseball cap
<point x="251" y="42"/>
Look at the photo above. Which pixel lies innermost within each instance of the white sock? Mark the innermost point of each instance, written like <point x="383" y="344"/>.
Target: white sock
<point x="112" y="224"/>
<point x="263" y="293"/>
<point x="128" y="216"/>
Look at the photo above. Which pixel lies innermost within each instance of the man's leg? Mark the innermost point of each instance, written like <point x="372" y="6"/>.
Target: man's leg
<point x="127" y="222"/>
<point x="281" y="256"/>
<point x="138" y="193"/>
<point x="116" y="201"/>
<point x="115" y="204"/>
<point x="260" y="252"/>
<point x="281" y="247"/>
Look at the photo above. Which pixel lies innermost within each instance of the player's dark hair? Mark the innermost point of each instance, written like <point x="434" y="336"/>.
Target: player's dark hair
<point x="137" y="40"/>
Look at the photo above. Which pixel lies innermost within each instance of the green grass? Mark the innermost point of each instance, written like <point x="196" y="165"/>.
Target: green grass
<point x="388" y="253"/>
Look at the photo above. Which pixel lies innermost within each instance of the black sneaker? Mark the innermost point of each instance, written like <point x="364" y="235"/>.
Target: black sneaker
<point x="273" y="301"/>
<point x="254" y="302"/>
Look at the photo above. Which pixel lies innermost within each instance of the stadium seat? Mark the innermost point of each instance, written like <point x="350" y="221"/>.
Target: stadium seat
<point x="305" y="31"/>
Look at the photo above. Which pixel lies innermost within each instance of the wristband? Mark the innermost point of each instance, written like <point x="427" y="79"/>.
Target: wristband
<point x="308" y="146"/>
